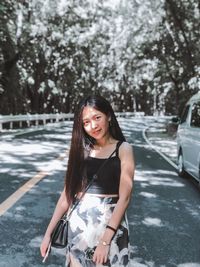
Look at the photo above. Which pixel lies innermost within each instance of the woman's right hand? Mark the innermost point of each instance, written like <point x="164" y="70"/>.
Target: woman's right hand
<point x="44" y="245"/>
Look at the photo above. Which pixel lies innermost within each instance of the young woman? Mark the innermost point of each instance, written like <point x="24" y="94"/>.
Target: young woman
<point x="98" y="231"/>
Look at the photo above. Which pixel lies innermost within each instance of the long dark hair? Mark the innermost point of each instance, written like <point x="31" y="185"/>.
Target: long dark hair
<point x="81" y="141"/>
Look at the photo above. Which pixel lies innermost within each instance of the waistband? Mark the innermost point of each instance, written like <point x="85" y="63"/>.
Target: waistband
<point x="108" y="199"/>
<point x="101" y="191"/>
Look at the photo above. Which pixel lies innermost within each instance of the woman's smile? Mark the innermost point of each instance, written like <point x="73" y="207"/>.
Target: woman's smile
<point x="96" y="132"/>
<point x="95" y="123"/>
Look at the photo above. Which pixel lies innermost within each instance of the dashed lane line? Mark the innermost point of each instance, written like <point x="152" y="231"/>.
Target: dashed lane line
<point x="159" y="152"/>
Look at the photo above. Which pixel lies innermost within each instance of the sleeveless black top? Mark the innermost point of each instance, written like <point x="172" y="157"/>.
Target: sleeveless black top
<point x="108" y="179"/>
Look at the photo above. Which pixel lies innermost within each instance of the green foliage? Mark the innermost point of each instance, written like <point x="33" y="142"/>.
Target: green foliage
<point x="143" y="56"/>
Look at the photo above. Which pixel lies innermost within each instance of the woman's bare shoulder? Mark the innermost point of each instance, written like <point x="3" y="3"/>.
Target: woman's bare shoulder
<point x="125" y="146"/>
<point x="125" y="150"/>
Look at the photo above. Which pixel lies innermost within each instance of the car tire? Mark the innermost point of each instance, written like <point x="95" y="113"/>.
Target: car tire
<point x="181" y="169"/>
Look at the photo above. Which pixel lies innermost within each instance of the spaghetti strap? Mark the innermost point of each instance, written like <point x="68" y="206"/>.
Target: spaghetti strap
<point x="117" y="148"/>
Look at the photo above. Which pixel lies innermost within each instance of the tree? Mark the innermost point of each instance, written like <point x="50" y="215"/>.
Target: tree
<point x="11" y="98"/>
<point x="142" y="55"/>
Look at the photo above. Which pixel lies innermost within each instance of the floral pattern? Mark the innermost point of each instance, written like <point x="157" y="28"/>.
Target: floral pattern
<point x="86" y="226"/>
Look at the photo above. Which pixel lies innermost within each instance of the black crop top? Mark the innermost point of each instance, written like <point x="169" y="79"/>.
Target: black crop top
<point x="108" y="178"/>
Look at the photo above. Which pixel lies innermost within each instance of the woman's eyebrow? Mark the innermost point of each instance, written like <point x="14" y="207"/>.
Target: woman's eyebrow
<point x="94" y="115"/>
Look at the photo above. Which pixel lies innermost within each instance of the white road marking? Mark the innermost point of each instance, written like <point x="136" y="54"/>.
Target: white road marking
<point x="159" y="152"/>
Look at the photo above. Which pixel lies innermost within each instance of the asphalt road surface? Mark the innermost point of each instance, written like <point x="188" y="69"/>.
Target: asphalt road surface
<point x="164" y="213"/>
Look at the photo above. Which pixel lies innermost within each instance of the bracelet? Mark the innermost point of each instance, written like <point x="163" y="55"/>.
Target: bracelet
<point x="104" y="243"/>
<point x="111" y="228"/>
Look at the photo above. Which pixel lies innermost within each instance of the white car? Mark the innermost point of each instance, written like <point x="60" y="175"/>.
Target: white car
<point x="188" y="139"/>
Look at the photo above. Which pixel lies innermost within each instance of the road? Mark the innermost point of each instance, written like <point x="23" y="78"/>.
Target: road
<point x="164" y="212"/>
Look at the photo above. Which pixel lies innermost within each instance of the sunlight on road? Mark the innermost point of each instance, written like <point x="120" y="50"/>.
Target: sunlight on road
<point x="137" y="263"/>
<point x="189" y="265"/>
<point x="147" y="194"/>
<point x="152" y="222"/>
<point x="148" y="178"/>
<point x="159" y="193"/>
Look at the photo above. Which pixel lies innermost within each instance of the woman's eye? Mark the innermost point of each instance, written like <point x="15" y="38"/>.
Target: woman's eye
<point x="98" y="117"/>
<point x="85" y="123"/>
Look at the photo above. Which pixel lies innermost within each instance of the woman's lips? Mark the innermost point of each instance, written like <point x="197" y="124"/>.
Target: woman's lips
<point x="96" y="132"/>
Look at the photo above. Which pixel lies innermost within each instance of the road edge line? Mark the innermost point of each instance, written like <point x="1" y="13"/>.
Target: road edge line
<point x="154" y="148"/>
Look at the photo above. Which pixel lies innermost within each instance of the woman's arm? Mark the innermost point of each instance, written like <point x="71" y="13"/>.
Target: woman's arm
<point x="125" y="190"/>
<point x="61" y="207"/>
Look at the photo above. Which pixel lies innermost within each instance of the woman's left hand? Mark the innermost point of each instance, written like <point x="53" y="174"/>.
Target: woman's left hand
<point x="101" y="254"/>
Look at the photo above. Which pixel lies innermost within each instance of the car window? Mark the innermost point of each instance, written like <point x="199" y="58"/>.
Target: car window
<point x="195" y="118"/>
<point x="184" y="115"/>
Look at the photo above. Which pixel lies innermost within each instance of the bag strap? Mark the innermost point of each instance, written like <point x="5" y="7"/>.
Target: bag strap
<point x="90" y="183"/>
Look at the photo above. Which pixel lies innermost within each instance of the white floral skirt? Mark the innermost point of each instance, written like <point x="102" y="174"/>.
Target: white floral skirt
<point x="86" y="226"/>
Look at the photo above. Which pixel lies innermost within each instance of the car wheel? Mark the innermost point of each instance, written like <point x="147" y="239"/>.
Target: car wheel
<point x="181" y="169"/>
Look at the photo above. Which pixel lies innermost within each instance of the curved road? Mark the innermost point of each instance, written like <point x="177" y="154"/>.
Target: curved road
<point x="164" y="213"/>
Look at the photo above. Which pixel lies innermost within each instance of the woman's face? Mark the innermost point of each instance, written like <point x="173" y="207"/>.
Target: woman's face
<point x="95" y="123"/>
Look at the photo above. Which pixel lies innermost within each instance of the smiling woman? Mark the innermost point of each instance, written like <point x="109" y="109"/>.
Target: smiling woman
<point x="95" y="123"/>
<point x="98" y="232"/>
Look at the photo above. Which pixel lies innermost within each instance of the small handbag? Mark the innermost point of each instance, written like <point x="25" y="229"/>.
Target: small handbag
<point x="59" y="236"/>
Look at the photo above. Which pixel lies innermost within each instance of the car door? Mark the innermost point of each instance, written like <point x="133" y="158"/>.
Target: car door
<point x="193" y="150"/>
<point x="183" y="135"/>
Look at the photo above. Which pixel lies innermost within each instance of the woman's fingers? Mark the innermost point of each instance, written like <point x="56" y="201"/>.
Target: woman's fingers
<point x="100" y="255"/>
<point x="44" y="246"/>
<point x="43" y="250"/>
<point x="105" y="259"/>
<point x="47" y="253"/>
<point x="99" y="260"/>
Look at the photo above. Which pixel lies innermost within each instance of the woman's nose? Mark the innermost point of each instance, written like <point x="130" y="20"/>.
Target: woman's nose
<point x="93" y="124"/>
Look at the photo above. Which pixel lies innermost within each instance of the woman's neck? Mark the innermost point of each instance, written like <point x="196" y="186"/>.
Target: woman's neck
<point x="104" y="142"/>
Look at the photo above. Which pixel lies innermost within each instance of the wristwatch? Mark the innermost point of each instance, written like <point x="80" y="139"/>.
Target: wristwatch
<point x="104" y="243"/>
